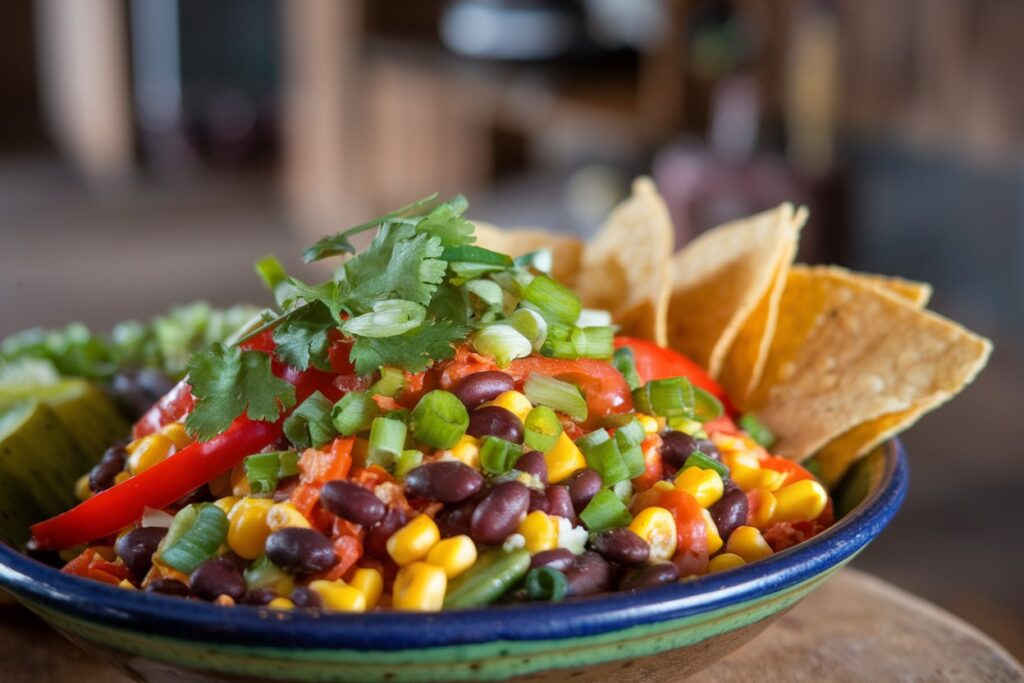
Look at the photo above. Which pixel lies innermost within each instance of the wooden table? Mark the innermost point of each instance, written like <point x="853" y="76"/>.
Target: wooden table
<point x="854" y="628"/>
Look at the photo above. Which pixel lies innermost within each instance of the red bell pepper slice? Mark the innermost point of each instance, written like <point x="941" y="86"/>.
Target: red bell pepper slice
<point x="110" y="511"/>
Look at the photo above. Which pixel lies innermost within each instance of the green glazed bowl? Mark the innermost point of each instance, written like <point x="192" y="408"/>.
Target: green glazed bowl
<point x="158" y="638"/>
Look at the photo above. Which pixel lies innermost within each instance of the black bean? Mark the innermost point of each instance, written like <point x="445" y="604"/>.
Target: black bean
<point x="622" y="546"/>
<point x="215" y="577"/>
<point x="495" y="421"/>
<point x="730" y="511"/>
<point x="500" y="513"/>
<point x="377" y="535"/>
<point x="589" y="574"/>
<point x="167" y="587"/>
<point x="481" y="387"/>
<point x="676" y="447"/>
<point x="352" y="502"/>
<point x="648" y="575"/>
<point x="136" y="548"/>
<point x="199" y="495"/>
<point x="584" y="485"/>
<point x="258" y="596"/>
<point x="446" y="481"/>
<point x="538" y="501"/>
<point x="533" y="463"/>
<point x="558" y="558"/>
<point x="560" y="503"/>
<point x="101" y="476"/>
<point x="453" y="520"/>
<point x="303" y="596"/>
<point x="135" y="390"/>
<point x="300" y="551"/>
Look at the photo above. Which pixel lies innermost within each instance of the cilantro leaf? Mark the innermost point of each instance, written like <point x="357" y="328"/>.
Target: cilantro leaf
<point x="398" y="264"/>
<point x="413" y="351"/>
<point x="302" y="336"/>
<point x="450" y="304"/>
<point x="228" y="382"/>
<point x="447" y="223"/>
<point x="335" y="245"/>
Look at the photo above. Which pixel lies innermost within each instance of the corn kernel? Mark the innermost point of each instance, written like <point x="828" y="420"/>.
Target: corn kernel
<point x="247" y="529"/>
<point x="370" y="583"/>
<point x="748" y="543"/>
<point x="419" y="587"/>
<point x="720" y="563"/>
<point x="281" y="603"/>
<point x="657" y="526"/>
<point x="454" y="555"/>
<point x="283" y="515"/>
<point x="744" y="468"/>
<point x="467" y="449"/>
<point x="226" y="503"/>
<point x="771" y="480"/>
<point x="148" y="451"/>
<point x="649" y="423"/>
<point x="704" y="485"/>
<point x="714" y="538"/>
<point x="800" y="502"/>
<point x="122" y="477"/>
<point x="563" y="459"/>
<point x="540" y="531"/>
<point x="763" y="510"/>
<point x="127" y="585"/>
<point x="514" y="402"/>
<point x="175" y="431"/>
<point x="338" y="596"/>
<point x="224" y="601"/>
<point x="413" y="541"/>
<point x="82" y="490"/>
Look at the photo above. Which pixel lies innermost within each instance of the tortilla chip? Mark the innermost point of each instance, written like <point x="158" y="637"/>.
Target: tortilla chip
<point x="837" y="456"/>
<point x="846" y="352"/>
<point x="627" y="266"/>
<point x="566" y="250"/>
<point x="720" y="278"/>
<point x="746" y="356"/>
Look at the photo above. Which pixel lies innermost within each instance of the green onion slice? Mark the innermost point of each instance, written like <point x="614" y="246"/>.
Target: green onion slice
<point x="392" y="381"/>
<point x="310" y="424"/>
<point x="406" y="461"/>
<point x="541" y="429"/>
<point x="553" y="300"/>
<point x="625" y="362"/>
<point x="706" y="407"/>
<point x="469" y="253"/>
<point x="757" y="430"/>
<point x="501" y="342"/>
<point x="263" y="573"/>
<point x="388" y="319"/>
<point x="546" y="583"/>
<point x="387" y="441"/>
<point x="701" y="460"/>
<point x="602" y="454"/>
<point x="439" y="419"/>
<point x="354" y="413"/>
<point x="497" y="456"/>
<point x="197" y="532"/>
<point x="605" y="511"/>
<point x="264" y="470"/>
<point x="554" y="393"/>
<point x="540" y="260"/>
<point x="531" y="325"/>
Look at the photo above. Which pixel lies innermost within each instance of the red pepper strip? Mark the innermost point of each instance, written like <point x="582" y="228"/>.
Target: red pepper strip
<point x="173" y="407"/>
<point x="110" y="511"/>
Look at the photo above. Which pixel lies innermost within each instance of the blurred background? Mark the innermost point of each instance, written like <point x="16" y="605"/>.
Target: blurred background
<point x="150" y="150"/>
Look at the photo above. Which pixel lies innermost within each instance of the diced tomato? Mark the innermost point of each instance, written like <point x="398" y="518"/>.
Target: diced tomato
<point x="448" y="373"/>
<point x="692" y="553"/>
<point x="264" y="341"/>
<point x="782" y="535"/>
<point x="91" y="565"/>
<point x="318" y="466"/>
<point x="338" y="353"/>
<point x="348" y="550"/>
<point x="652" y="463"/>
<point x="602" y="385"/>
<point x="370" y="477"/>
<point x="721" y="425"/>
<point x="386" y="403"/>
<point x="304" y="497"/>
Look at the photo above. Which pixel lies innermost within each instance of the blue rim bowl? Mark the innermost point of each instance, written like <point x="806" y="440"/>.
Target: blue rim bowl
<point x="149" y="635"/>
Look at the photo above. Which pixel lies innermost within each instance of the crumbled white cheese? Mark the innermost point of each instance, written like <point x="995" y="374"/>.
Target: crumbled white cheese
<point x="572" y="538"/>
<point x="514" y="542"/>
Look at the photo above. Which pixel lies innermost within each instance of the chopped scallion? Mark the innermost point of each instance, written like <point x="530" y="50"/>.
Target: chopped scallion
<point x="389" y="318"/>
<point x="553" y="300"/>
<point x="602" y="454"/>
<point x="531" y="325"/>
<point x="264" y="470"/>
<point x="439" y="419"/>
<point x="473" y="254"/>
<point x="701" y="460"/>
<point x="497" y="456"/>
<point x="387" y="441"/>
<point x="625" y="363"/>
<point x="757" y="430"/>
<point x="541" y="429"/>
<point x="546" y="583"/>
<point x="554" y="393"/>
<point x="605" y="511"/>
<point x="196" y="533"/>
<point x="310" y="425"/>
<point x="502" y="343"/>
<point x="354" y="413"/>
<point x="406" y="461"/>
<point x="392" y="381"/>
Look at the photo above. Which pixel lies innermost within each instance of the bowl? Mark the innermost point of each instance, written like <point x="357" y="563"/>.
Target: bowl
<point x="158" y="638"/>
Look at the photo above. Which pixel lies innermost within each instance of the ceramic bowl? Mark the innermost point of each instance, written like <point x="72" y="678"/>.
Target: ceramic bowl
<point x="157" y="638"/>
